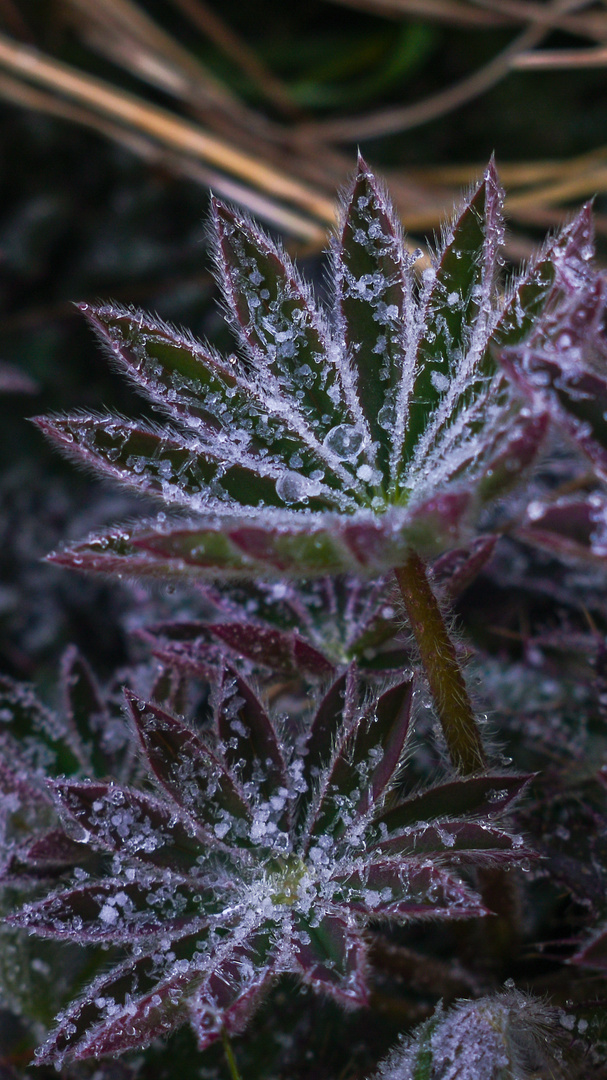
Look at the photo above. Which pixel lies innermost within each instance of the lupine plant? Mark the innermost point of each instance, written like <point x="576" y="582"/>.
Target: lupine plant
<point x="324" y="494"/>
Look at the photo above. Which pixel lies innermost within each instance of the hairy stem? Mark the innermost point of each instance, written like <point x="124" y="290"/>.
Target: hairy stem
<point x="437" y="653"/>
<point x="229" y="1053"/>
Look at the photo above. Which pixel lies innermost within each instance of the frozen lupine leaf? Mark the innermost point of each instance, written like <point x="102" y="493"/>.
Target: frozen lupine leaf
<point x="170" y="690"/>
<point x="376" y="312"/>
<point x="36" y="735"/>
<point x="20" y="782"/>
<point x="133" y="1004"/>
<point x="511" y="453"/>
<point x="112" y="553"/>
<point x="330" y="954"/>
<point x="367" y="753"/>
<point x="287" y="653"/>
<point x="53" y="851"/>
<point x="382" y="742"/>
<point x="473" y="796"/>
<point x="569" y="527"/>
<point x="279" y="323"/>
<point x="129" y="822"/>
<point x="457" y="569"/>
<point x="85" y="708"/>
<point x="529" y="292"/>
<point x="235" y="983"/>
<point x="211" y="396"/>
<point x="186" y="766"/>
<point x="336" y="443"/>
<point x="337" y="619"/>
<point x="214" y="905"/>
<point x="271" y="545"/>
<point x="508" y="1036"/>
<point x="335" y="707"/>
<point x="250" y="744"/>
<point x="180" y="469"/>
<point x="560" y="364"/>
<point x="456" y="304"/>
<point x="198" y="659"/>
<point x="118" y="910"/>
<point x="594" y="953"/>
<point x="25" y="807"/>
<point x="483" y="844"/>
<point x="554" y="378"/>
<point x="389" y="889"/>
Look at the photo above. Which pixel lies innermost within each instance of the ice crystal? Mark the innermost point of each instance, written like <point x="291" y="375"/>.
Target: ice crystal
<point x="257" y="856"/>
<point x="335" y="441"/>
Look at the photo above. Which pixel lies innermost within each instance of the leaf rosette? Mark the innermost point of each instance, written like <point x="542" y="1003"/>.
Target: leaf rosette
<point x="250" y="854"/>
<point x="335" y="442"/>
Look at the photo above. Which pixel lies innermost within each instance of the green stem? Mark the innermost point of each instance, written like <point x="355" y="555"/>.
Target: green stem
<point x="439" y="659"/>
<point x="229" y="1053"/>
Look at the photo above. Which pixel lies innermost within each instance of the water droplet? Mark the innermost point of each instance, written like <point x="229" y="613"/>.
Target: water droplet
<point x="290" y="487"/>
<point x="344" y="441"/>
<point x="386" y="417"/>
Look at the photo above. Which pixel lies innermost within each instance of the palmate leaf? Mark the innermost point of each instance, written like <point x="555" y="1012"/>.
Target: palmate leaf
<point x="257" y="856"/>
<point x="337" y="441"/>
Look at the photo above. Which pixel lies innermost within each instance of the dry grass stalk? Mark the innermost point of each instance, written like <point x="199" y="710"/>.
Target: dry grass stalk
<point x="286" y="173"/>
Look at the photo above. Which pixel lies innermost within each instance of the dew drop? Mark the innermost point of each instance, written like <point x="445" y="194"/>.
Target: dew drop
<point x="386" y="417"/>
<point x="290" y="487"/>
<point x="344" y="441"/>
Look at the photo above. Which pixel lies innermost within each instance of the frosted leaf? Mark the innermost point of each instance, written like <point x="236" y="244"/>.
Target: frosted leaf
<point x="373" y="286"/>
<point x="510" y="1036"/>
<point x="275" y="315"/>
